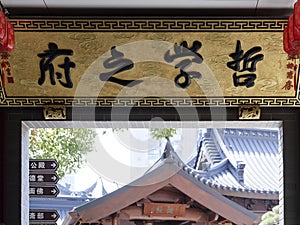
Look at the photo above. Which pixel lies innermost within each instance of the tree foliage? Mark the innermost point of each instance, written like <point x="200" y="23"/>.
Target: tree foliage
<point x="160" y="133"/>
<point x="69" y="145"/>
<point x="271" y="217"/>
<point x="66" y="145"/>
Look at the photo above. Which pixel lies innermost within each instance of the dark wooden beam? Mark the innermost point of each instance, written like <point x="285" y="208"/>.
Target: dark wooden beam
<point x="121" y="198"/>
<point x="166" y="196"/>
<point x="213" y="201"/>
<point x="136" y="213"/>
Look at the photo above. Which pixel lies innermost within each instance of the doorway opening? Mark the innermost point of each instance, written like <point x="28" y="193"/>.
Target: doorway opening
<point x="122" y="152"/>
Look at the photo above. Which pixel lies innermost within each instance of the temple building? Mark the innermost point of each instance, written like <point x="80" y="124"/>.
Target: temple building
<point x="232" y="179"/>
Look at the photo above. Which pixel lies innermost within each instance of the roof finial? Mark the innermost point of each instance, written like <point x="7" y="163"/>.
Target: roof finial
<point x="104" y="192"/>
<point x="168" y="149"/>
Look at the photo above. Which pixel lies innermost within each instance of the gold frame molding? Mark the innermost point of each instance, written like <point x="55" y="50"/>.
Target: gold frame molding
<point x="149" y="25"/>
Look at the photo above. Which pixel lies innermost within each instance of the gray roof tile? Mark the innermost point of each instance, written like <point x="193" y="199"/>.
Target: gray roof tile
<point x="256" y="148"/>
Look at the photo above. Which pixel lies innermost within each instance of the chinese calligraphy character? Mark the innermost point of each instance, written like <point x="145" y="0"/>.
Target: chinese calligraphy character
<point x="292" y="75"/>
<point x="5" y="68"/>
<point x="33" y="165"/>
<point x="32" y="191"/>
<point x="32" y="178"/>
<point x="248" y="60"/>
<point x="119" y="64"/>
<point x="159" y="209"/>
<point x="170" y="210"/>
<point x="40" y="191"/>
<point x="292" y="66"/>
<point x="41" y="165"/>
<point x="40" y="216"/>
<point x="40" y="178"/>
<point x="288" y="85"/>
<point x="183" y="80"/>
<point x="46" y="65"/>
<point x="32" y="216"/>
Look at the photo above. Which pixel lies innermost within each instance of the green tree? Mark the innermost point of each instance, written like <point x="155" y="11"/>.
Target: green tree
<point x="160" y="133"/>
<point x="66" y="145"/>
<point x="271" y="217"/>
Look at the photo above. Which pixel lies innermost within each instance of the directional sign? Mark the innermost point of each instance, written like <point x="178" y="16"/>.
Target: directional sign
<point x="43" y="178"/>
<point x="43" y="216"/>
<point x="42" y="164"/>
<point x="43" y="191"/>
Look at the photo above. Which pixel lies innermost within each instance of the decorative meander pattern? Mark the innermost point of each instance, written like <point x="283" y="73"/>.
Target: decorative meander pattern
<point x="147" y="102"/>
<point x="180" y="25"/>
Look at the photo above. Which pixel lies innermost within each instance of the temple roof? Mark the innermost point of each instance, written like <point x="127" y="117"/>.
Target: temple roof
<point x="229" y="162"/>
<point x="169" y="171"/>
<point x="244" y="161"/>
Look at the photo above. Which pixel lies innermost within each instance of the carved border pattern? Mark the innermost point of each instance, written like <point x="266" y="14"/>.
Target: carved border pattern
<point x="148" y="102"/>
<point x="196" y="25"/>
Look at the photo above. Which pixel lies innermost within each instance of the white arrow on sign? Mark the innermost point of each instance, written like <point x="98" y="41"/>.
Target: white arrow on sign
<point x="53" y="178"/>
<point x="53" y="191"/>
<point x="53" y="165"/>
<point x="53" y="215"/>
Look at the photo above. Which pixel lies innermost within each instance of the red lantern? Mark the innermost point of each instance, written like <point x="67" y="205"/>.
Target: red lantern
<point x="287" y="45"/>
<point x="296" y="21"/>
<point x="297" y="15"/>
<point x="292" y="30"/>
<point x="291" y="37"/>
<point x="7" y="43"/>
<point x="3" y="30"/>
<point x="290" y="45"/>
<point x="296" y="24"/>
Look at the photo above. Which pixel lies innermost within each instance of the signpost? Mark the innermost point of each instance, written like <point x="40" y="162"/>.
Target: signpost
<point x="42" y="165"/>
<point x="43" y="191"/>
<point x="42" y="180"/>
<point x="38" y="216"/>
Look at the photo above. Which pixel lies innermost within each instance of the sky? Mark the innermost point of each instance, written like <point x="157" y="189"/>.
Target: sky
<point x="123" y="156"/>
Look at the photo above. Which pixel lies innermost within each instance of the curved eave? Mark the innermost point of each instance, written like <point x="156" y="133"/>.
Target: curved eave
<point x="248" y="194"/>
<point x="71" y="218"/>
<point x="258" y="149"/>
<point x="239" y="191"/>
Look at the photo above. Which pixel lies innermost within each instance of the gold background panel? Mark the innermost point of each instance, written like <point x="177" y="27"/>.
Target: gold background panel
<point x="90" y="49"/>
